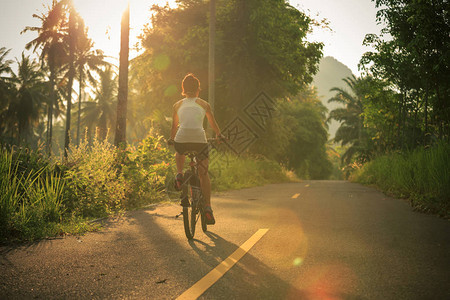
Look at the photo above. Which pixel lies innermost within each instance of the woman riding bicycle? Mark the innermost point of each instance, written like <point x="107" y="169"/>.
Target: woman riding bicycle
<point x="189" y="113"/>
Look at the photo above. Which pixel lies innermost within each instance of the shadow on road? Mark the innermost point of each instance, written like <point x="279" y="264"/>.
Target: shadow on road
<point x="186" y="265"/>
<point x="187" y="262"/>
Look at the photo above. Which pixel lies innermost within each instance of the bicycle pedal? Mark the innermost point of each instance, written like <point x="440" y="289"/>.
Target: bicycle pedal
<point x="179" y="215"/>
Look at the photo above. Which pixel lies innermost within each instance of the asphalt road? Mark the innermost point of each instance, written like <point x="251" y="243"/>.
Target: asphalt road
<point x="335" y="240"/>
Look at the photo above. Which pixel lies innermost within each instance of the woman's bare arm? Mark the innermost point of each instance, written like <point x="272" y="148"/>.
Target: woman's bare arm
<point x="175" y="121"/>
<point x="212" y="121"/>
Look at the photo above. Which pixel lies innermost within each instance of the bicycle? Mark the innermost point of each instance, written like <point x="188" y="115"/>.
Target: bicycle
<point x="191" y="190"/>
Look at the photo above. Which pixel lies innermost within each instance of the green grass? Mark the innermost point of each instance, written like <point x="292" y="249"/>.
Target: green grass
<point x="236" y="172"/>
<point x="231" y="172"/>
<point x="422" y="176"/>
<point x="30" y="200"/>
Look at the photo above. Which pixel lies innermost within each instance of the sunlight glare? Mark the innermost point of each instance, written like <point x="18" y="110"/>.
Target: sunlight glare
<point x="103" y="17"/>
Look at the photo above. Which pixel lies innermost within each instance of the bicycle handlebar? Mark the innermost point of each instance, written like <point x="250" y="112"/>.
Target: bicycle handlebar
<point x="170" y="142"/>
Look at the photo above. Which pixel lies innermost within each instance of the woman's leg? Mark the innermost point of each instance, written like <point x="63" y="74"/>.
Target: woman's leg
<point x="180" y="158"/>
<point x="205" y="181"/>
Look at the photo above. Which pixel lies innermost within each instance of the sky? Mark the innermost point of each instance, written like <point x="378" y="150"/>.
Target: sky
<point x="349" y="20"/>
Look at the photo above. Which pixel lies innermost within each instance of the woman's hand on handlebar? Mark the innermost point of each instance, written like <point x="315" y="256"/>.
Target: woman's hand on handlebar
<point x="170" y="142"/>
<point x="220" y="138"/>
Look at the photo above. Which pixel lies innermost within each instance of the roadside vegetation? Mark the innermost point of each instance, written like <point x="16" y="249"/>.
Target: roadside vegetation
<point x="236" y="172"/>
<point x="421" y="175"/>
<point x="41" y="197"/>
<point x="395" y="118"/>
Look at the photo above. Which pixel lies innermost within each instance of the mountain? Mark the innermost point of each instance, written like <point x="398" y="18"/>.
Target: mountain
<point x="330" y="75"/>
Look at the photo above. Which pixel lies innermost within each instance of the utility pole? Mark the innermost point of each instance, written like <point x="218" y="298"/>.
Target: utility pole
<point x="212" y="35"/>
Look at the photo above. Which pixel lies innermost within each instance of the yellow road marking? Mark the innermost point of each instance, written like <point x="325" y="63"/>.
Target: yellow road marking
<point x="295" y="196"/>
<point x="206" y="282"/>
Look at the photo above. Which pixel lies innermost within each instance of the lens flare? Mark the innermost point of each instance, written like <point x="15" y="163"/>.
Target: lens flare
<point x="171" y="90"/>
<point x="331" y="281"/>
<point x="298" y="261"/>
<point x="161" y="62"/>
<point x="291" y="246"/>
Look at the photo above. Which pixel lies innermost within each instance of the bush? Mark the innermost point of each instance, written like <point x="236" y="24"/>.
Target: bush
<point x="95" y="185"/>
<point x="145" y="168"/>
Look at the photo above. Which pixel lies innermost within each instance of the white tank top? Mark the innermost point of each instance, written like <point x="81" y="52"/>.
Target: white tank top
<point x="190" y="115"/>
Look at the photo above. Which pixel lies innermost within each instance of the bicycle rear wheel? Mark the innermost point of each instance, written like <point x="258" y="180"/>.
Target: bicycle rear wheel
<point x="189" y="219"/>
<point x="189" y="222"/>
<point x="191" y="214"/>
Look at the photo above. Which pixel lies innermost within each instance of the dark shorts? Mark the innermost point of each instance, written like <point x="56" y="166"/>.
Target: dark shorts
<point x="202" y="149"/>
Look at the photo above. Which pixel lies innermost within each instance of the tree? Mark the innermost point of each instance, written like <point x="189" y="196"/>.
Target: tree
<point x="4" y="63"/>
<point x="121" y="123"/>
<point x="50" y="40"/>
<point x="100" y="112"/>
<point x="351" y="130"/>
<point x="416" y="59"/>
<point x="87" y="60"/>
<point x="368" y="118"/>
<point x="297" y="135"/>
<point x="30" y="97"/>
<point x="5" y="90"/>
<point x="260" y="45"/>
<point x="71" y="38"/>
<point x="307" y="147"/>
<point x="380" y="118"/>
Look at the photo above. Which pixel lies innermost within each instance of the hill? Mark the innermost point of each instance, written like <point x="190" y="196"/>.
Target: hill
<point x="331" y="72"/>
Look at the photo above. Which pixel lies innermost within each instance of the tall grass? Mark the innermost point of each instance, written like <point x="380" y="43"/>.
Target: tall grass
<point x="31" y="200"/>
<point x="9" y="191"/>
<point x="423" y="176"/>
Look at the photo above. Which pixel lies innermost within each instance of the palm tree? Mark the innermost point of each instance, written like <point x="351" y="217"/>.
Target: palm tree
<point x="351" y="115"/>
<point x="4" y="84"/>
<point x="121" y="124"/>
<point x="5" y="90"/>
<point x="4" y="63"/>
<point x="50" y="40"/>
<point x="86" y="61"/>
<point x="30" y="85"/>
<point x="72" y="42"/>
<point x="100" y="111"/>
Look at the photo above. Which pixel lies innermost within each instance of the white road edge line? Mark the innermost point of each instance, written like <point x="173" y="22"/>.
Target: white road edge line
<point x="215" y="274"/>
